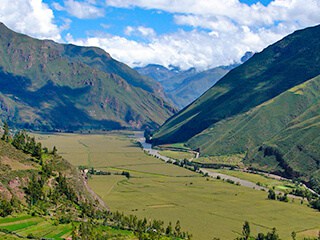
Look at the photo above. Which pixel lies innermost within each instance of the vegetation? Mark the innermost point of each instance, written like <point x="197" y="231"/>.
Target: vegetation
<point x="255" y="111"/>
<point x="179" y="155"/>
<point x="258" y="80"/>
<point x="51" y="197"/>
<point x="52" y="87"/>
<point x="271" y="235"/>
<point x="155" y="190"/>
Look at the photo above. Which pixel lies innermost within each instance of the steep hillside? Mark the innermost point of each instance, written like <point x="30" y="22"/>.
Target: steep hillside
<point x="50" y="86"/>
<point x="42" y="196"/>
<point x="281" y="66"/>
<point x="35" y="176"/>
<point x="281" y="135"/>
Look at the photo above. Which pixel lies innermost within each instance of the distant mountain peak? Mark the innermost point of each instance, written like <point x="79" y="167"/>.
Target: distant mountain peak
<point x="246" y="56"/>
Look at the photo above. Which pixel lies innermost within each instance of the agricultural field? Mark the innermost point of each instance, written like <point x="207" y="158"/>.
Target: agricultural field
<point x="232" y="160"/>
<point x="111" y="152"/>
<point x="179" y="155"/>
<point x="26" y="225"/>
<point x="206" y="207"/>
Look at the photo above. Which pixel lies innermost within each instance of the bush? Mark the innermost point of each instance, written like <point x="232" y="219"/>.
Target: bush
<point x="271" y="194"/>
<point x="30" y="236"/>
<point x="5" y="208"/>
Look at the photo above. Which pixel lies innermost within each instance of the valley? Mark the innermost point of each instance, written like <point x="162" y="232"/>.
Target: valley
<point x="206" y="207"/>
<point x="205" y="126"/>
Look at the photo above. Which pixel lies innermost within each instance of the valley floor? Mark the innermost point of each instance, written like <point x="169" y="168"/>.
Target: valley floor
<point x="206" y="207"/>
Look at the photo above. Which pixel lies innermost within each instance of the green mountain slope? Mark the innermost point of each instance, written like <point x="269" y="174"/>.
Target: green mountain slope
<point x="50" y="86"/>
<point x="281" y="66"/>
<point x="244" y="131"/>
<point x="281" y="135"/>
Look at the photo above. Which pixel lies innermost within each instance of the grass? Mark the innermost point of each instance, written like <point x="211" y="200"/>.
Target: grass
<point x="206" y="207"/>
<point x="112" y="152"/>
<point x="177" y="154"/>
<point x="235" y="159"/>
<point x="24" y="225"/>
<point x="14" y="219"/>
<point x="42" y="228"/>
<point x="8" y="236"/>
<point x="174" y="145"/>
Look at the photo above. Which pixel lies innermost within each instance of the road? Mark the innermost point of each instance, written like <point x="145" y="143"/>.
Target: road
<point x="148" y="149"/>
<point x="241" y="182"/>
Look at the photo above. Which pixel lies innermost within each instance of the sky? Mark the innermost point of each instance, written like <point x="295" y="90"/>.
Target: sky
<point x="183" y="33"/>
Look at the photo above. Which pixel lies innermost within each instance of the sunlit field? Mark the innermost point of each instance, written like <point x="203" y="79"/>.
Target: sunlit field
<point x="206" y="207"/>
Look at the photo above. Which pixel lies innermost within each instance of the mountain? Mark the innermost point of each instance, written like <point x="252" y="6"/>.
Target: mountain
<point x="281" y="135"/>
<point x="279" y="67"/>
<point x="184" y="86"/>
<point x="267" y="108"/>
<point x="195" y="85"/>
<point x="50" y="86"/>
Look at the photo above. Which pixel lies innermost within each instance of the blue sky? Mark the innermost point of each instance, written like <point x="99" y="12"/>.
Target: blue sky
<point x="184" y="33"/>
<point x="115" y="20"/>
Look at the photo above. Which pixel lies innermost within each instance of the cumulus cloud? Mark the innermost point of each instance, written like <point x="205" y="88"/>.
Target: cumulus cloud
<point x="223" y="30"/>
<point x="140" y="31"/>
<point x="185" y="49"/>
<point x="32" y="17"/>
<point x="83" y="10"/>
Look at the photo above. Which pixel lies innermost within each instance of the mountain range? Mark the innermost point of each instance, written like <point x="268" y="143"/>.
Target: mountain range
<point x="184" y="86"/>
<point x="51" y="86"/>
<point x="267" y="108"/>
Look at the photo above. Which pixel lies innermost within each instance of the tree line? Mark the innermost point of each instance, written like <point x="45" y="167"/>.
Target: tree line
<point x="61" y="198"/>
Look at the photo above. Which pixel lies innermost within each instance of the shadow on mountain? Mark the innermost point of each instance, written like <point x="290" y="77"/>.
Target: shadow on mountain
<point x="53" y="104"/>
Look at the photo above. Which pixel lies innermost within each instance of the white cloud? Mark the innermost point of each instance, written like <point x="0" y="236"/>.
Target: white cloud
<point x="185" y="49"/>
<point x="32" y="17"/>
<point x="140" y="31"/>
<point x="83" y="10"/>
<point x="226" y="29"/>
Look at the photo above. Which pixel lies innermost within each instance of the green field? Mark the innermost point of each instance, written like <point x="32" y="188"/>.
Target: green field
<point x="25" y="225"/>
<point x="179" y="155"/>
<point x="206" y="207"/>
<point x="232" y="160"/>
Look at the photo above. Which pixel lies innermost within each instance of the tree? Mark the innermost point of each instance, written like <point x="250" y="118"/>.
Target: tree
<point x="272" y="235"/>
<point x="19" y="140"/>
<point x="246" y="230"/>
<point x="54" y="150"/>
<point x="169" y="229"/>
<point x="177" y="229"/>
<point x="315" y="204"/>
<point x="293" y="235"/>
<point x="34" y="190"/>
<point x="5" y="208"/>
<point x="37" y="151"/>
<point x="260" y="236"/>
<point x="272" y="194"/>
<point x="5" y="135"/>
